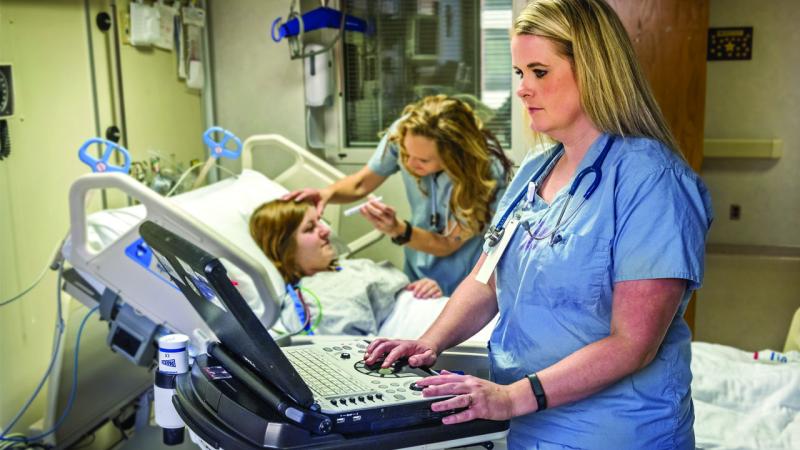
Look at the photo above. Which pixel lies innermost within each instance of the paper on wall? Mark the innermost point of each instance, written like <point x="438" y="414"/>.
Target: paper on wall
<point x="145" y="24"/>
<point x="166" y="32"/>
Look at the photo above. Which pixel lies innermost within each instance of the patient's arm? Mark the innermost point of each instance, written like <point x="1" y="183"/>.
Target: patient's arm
<point x="425" y="288"/>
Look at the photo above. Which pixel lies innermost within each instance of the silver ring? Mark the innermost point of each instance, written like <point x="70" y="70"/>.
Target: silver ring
<point x="469" y="401"/>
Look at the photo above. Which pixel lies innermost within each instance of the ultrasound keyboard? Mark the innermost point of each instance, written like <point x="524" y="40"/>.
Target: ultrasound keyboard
<point x="340" y="380"/>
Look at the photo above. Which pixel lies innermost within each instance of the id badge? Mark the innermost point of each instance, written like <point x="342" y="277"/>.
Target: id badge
<point x="496" y="252"/>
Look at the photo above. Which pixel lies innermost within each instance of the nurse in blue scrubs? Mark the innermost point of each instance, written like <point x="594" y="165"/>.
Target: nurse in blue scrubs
<point x="454" y="173"/>
<point x="595" y="250"/>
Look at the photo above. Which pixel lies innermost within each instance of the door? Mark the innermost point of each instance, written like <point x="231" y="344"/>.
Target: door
<point x="670" y="39"/>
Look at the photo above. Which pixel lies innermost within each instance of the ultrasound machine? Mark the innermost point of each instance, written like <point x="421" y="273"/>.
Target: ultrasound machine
<point x="246" y="392"/>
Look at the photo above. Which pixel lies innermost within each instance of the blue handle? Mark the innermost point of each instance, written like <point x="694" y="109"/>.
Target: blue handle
<point x="280" y="28"/>
<point x="321" y="17"/>
<point x="218" y="148"/>
<point x="102" y="164"/>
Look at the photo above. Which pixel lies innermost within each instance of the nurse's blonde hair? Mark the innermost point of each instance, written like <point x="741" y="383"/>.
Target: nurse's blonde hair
<point x="466" y="149"/>
<point x="614" y="92"/>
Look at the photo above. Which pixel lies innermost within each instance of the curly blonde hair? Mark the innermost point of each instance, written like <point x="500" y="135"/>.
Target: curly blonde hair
<point x="467" y="152"/>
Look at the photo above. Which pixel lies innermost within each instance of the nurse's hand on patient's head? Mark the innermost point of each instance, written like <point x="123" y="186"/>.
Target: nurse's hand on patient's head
<point x="308" y="194"/>
<point x="425" y="288"/>
<point x="419" y="353"/>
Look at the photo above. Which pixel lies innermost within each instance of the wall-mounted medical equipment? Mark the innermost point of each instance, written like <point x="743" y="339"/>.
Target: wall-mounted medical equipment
<point x="317" y="76"/>
<point x="6" y="108"/>
<point x="318" y="82"/>
<point x="323" y="17"/>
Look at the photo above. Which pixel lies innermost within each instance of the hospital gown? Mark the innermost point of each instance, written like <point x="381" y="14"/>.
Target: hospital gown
<point x="356" y="298"/>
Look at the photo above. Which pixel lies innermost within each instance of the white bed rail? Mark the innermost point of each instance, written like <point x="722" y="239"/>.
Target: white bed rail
<point x="302" y="158"/>
<point x="167" y="214"/>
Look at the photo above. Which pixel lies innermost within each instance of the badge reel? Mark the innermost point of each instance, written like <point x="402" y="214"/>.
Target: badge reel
<point x="495" y="253"/>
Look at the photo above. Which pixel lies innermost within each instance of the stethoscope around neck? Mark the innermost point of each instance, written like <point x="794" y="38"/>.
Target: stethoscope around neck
<point x="495" y="233"/>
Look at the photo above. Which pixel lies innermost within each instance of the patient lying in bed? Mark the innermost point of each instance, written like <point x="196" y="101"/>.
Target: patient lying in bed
<point x="336" y="297"/>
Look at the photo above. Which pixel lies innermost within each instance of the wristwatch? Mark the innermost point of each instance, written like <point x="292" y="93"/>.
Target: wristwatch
<point x="402" y="239"/>
<point x="538" y="392"/>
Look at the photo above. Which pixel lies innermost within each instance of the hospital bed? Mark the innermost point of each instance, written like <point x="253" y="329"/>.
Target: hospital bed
<point x="739" y="403"/>
<point x="113" y="266"/>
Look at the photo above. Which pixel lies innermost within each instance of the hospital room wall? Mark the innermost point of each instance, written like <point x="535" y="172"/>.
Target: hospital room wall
<point x="259" y="90"/>
<point x="753" y="265"/>
<point x="46" y="41"/>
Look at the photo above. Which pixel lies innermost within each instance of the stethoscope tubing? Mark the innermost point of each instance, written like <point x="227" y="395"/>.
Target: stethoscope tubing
<point x="495" y="233"/>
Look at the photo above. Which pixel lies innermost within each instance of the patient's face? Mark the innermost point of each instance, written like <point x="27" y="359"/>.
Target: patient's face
<point x="314" y="251"/>
<point x="423" y="156"/>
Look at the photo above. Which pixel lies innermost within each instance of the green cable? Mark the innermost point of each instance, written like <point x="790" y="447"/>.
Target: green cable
<point x="319" y="305"/>
<point x="11" y="444"/>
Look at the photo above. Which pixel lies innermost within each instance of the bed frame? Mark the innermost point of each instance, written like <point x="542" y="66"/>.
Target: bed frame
<point x="128" y="288"/>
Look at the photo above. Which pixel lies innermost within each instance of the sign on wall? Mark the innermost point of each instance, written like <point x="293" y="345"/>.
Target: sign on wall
<point x="729" y="44"/>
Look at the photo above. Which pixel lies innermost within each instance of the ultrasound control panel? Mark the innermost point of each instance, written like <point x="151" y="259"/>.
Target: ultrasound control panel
<point x="341" y="380"/>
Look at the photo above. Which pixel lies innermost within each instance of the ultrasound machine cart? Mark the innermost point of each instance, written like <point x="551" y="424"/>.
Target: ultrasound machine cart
<point x="229" y="415"/>
<point x="249" y="393"/>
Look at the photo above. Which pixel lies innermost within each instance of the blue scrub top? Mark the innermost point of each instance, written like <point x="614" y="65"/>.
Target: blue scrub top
<point x="449" y="270"/>
<point x="647" y="219"/>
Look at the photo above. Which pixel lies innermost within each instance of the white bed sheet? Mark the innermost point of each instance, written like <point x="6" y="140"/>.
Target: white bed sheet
<point x="412" y="316"/>
<point x="741" y="403"/>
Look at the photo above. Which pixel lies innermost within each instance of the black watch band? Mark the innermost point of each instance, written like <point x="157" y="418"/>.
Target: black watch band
<point x="401" y="239"/>
<point x="538" y="392"/>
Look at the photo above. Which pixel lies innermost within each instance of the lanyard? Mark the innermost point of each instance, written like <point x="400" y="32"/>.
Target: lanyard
<point x="495" y="233"/>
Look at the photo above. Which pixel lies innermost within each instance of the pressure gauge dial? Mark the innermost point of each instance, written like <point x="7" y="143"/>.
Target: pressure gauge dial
<point x="6" y="92"/>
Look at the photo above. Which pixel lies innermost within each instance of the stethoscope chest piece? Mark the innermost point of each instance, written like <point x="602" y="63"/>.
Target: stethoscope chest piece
<point x="435" y="221"/>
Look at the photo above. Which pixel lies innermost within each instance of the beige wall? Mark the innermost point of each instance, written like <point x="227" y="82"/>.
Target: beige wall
<point x="164" y="117"/>
<point x="258" y="89"/>
<point x="748" y="300"/>
<point x="750" y="292"/>
<point x="757" y="99"/>
<point x="47" y="43"/>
